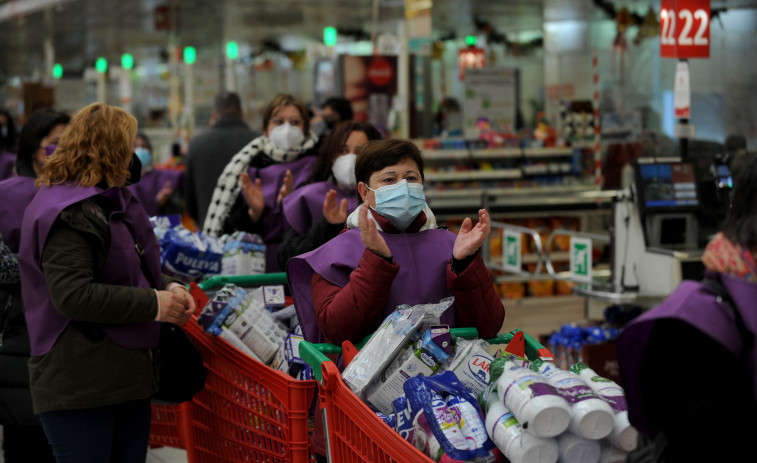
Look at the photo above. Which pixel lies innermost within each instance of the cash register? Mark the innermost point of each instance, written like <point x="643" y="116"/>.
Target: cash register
<point x="663" y="220"/>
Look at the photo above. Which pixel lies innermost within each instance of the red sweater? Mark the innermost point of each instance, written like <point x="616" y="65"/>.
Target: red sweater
<point x="354" y="311"/>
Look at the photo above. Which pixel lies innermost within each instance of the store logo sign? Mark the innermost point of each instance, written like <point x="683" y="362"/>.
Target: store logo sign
<point x="512" y="257"/>
<point x="580" y="259"/>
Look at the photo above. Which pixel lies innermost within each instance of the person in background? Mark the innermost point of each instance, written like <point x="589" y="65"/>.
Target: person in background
<point x="333" y="111"/>
<point x="210" y="151"/>
<point x="93" y="294"/>
<point x="688" y="365"/>
<point x="159" y="190"/>
<point x="317" y="212"/>
<point x="249" y="192"/>
<point x="7" y="144"/>
<point x="24" y="439"/>
<point x="392" y="253"/>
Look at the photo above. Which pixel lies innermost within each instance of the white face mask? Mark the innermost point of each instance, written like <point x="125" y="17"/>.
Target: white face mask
<point x="286" y="136"/>
<point x="344" y="171"/>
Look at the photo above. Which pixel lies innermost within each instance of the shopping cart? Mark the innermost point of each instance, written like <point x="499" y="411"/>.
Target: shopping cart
<point x="354" y="433"/>
<point x="247" y="412"/>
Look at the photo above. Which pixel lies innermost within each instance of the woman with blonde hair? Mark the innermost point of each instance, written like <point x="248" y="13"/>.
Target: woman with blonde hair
<point x="93" y="293"/>
<point x="249" y="193"/>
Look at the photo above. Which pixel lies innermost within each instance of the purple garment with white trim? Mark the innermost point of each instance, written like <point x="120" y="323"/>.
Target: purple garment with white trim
<point x="303" y="208"/>
<point x="128" y="225"/>
<point x="422" y="278"/>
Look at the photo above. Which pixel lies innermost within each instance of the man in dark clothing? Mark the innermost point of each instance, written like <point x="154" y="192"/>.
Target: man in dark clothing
<point x="210" y="151"/>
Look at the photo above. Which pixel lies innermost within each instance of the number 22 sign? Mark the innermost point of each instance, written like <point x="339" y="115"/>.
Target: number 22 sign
<point x="685" y="29"/>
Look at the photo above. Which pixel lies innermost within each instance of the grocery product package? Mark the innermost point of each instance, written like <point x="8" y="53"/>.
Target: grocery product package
<point x="243" y="254"/>
<point x="288" y="359"/>
<point x="470" y="364"/>
<point x="388" y="340"/>
<point x="189" y="256"/>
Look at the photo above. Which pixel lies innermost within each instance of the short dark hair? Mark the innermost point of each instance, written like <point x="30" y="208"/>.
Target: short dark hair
<point x="38" y="126"/>
<point x="378" y="154"/>
<point x="8" y="143"/>
<point x="740" y="225"/>
<point x="332" y="144"/>
<point x="146" y="139"/>
<point x="227" y="104"/>
<point x="341" y="106"/>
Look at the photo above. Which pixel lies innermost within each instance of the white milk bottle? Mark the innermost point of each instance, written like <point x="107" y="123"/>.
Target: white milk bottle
<point x="623" y="435"/>
<point x="537" y="406"/>
<point x="591" y="417"/>
<point x="577" y="449"/>
<point x="512" y="440"/>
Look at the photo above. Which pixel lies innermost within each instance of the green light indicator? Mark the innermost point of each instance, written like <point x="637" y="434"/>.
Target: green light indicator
<point x="57" y="71"/>
<point x="232" y="50"/>
<point x="471" y="40"/>
<point x="101" y="65"/>
<point x="190" y="55"/>
<point x="329" y="36"/>
<point x="127" y="61"/>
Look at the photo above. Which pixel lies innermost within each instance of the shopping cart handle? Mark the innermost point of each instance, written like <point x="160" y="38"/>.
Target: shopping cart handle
<point x="219" y="281"/>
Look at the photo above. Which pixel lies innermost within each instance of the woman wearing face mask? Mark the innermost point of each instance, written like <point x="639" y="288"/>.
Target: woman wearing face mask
<point x="24" y="438"/>
<point x="317" y="212"/>
<point x="93" y="294"/>
<point x="157" y="189"/>
<point x="249" y="192"/>
<point x="392" y="253"/>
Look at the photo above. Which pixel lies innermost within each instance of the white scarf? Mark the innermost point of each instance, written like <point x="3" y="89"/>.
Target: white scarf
<point x="352" y="219"/>
<point x="229" y="185"/>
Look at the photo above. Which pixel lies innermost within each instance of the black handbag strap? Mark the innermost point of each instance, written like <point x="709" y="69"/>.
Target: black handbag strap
<point x="717" y="288"/>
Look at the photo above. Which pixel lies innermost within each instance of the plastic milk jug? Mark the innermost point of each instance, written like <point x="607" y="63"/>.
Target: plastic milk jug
<point x="576" y="449"/>
<point x="518" y="445"/>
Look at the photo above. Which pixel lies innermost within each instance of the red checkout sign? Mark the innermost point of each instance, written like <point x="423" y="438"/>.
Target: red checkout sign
<point x="685" y="29"/>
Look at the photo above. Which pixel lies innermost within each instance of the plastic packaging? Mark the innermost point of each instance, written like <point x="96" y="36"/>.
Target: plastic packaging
<point x="576" y="449"/>
<point x="535" y="403"/>
<point x="611" y="454"/>
<point x="591" y="417"/>
<point x="624" y="435"/>
<point x="509" y="436"/>
<point x="471" y="364"/>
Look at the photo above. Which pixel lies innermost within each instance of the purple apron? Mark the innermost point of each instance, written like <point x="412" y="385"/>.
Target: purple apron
<point x="693" y="304"/>
<point x="304" y="206"/>
<point x="422" y="277"/>
<point x="128" y="225"/>
<point x="15" y="194"/>
<point x="7" y="163"/>
<point x="274" y="223"/>
<point x="148" y="187"/>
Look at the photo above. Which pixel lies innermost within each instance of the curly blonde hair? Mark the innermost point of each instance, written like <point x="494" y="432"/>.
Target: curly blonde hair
<point x="94" y="148"/>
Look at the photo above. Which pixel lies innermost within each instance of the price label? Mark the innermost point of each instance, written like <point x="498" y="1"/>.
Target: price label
<point x="685" y="29"/>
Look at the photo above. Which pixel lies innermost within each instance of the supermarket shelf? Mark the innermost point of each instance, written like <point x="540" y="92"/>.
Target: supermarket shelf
<point x="496" y="153"/>
<point x="532" y="258"/>
<point x="498" y="174"/>
<point x="432" y="155"/>
<point x="548" y="152"/>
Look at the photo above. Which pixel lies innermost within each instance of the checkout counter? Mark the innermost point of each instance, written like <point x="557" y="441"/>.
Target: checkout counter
<point x="663" y="219"/>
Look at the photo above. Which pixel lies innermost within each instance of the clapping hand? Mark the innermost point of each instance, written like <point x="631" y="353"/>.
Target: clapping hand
<point x="369" y="234"/>
<point x="253" y="195"/>
<point x="331" y="212"/>
<point x="469" y="238"/>
<point x="162" y="197"/>
<point x="286" y="188"/>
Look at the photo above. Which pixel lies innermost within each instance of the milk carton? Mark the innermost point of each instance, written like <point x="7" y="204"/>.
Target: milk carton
<point x="471" y="365"/>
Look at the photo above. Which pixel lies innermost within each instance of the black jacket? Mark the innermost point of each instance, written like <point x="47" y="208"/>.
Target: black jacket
<point x="207" y="155"/>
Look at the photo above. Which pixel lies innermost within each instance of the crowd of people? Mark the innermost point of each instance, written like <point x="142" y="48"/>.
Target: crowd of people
<point x="340" y="208"/>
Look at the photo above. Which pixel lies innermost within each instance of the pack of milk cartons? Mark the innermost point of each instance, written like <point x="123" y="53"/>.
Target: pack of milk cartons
<point x="243" y="254"/>
<point x="288" y="359"/>
<point x="245" y="315"/>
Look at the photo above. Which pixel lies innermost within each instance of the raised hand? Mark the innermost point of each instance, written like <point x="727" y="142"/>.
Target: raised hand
<point x="286" y="188"/>
<point x="369" y="234"/>
<point x="331" y="212"/>
<point x="470" y="238"/>
<point x="253" y="195"/>
<point x="162" y="197"/>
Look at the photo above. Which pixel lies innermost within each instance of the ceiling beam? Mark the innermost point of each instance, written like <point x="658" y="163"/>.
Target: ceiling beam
<point x="15" y="8"/>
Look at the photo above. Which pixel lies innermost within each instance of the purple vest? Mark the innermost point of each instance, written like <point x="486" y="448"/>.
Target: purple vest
<point x="695" y="305"/>
<point x="422" y="278"/>
<point x="147" y="188"/>
<point x="274" y="223"/>
<point x="15" y="194"/>
<point x="304" y="206"/>
<point x="128" y="225"/>
<point x="7" y="162"/>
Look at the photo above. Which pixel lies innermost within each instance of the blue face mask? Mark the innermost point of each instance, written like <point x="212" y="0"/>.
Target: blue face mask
<point x="144" y="156"/>
<point x="400" y="203"/>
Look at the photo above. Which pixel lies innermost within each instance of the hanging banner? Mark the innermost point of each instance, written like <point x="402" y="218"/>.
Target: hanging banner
<point x="685" y="29"/>
<point x="470" y="58"/>
<point x="491" y="102"/>
<point x="370" y="83"/>
<point x="682" y="91"/>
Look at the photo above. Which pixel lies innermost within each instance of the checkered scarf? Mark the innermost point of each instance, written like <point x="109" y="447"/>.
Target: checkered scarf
<point x="229" y="184"/>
